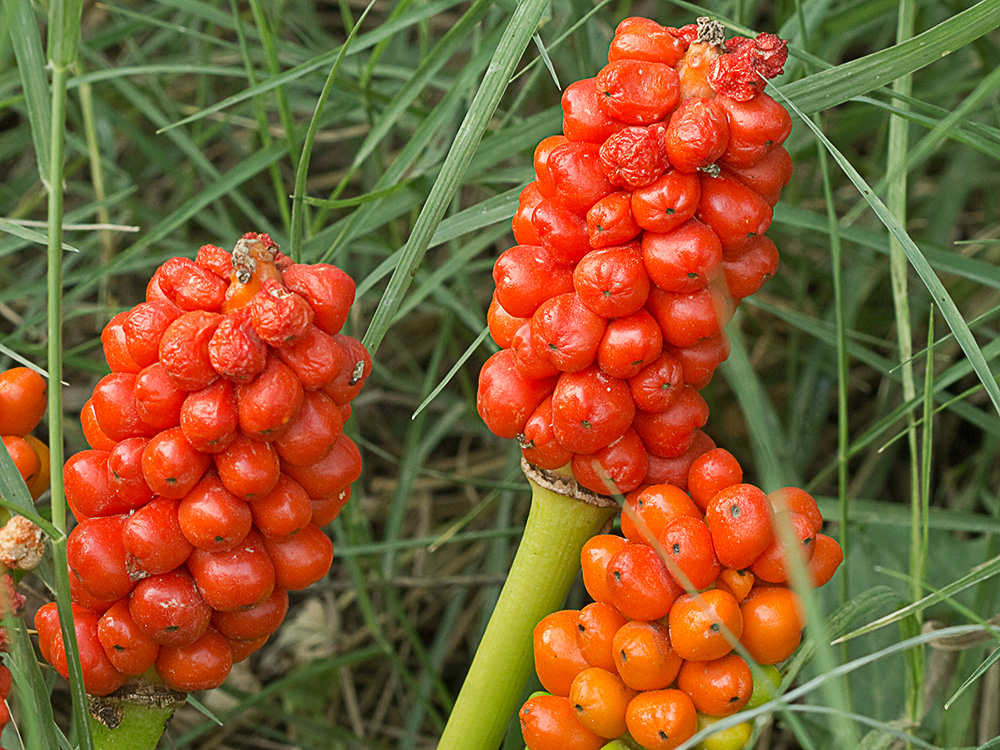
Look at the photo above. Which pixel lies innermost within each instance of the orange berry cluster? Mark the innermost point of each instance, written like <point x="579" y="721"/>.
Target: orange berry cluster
<point x="642" y="231"/>
<point x="216" y="455"/>
<point x="23" y="396"/>
<point x="695" y="573"/>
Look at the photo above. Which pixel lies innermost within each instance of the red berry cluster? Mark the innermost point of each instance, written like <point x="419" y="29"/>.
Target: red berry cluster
<point x="643" y="229"/>
<point x="695" y="573"/>
<point x="217" y="454"/>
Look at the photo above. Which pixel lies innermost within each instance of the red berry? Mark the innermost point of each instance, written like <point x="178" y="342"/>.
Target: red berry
<point x="667" y="202"/>
<point x="640" y="38"/>
<point x="567" y="332"/>
<point x="300" y="558"/>
<point x="233" y="578"/>
<point x="168" y="608"/>
<point x="590" y="410"/>
<point x="506" y="398"/>
<point x="153" y="538"/>
<point x="201" y="665"/>
<point x="637" y="92"/>
<point x="526" y="276"/>
<point x="328" y="476"/>
<point x="213" y="518"/>
<point x="170" y="465"/>
<point x="610" y="221"/>
<point x="328" y="290"/>
<point x="612" y="281"/>
<point x="583" y="118"/>
<point x="684" y="259"/>
<point x="629" y="344"/>
<point x="575" y="170"/>
<point x="128" y="649"/>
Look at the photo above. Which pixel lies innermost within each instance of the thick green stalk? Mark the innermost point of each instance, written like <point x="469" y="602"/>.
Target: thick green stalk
<point x="546" y="563"/>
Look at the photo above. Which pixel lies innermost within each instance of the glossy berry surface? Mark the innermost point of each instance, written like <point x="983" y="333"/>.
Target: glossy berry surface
<point x="217" y="453"/>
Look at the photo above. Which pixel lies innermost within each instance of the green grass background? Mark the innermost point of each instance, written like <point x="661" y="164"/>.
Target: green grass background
<point x="194" y="121"/>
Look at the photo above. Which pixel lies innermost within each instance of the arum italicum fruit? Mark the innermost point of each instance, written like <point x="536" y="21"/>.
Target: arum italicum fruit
<point x="641" y="232"/>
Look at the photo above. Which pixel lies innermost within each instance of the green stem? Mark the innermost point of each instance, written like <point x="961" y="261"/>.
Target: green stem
<point x="141" y="729"/>
<point x="543" y="570"/>
<point x="132" y="718"/>
<point x="54" y="180"/>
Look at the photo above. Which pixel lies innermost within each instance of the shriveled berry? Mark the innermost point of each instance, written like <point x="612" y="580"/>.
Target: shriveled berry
<point x="144" y="326"/>
<point x="634" y="157"/>
<point x="279" y="316"/>
<point x="328" y="290"/>
<point x="235" y="350"/>
<point x="269" y="402"/>
<point x="190" y="286"/>
<point x="184" y="349"/>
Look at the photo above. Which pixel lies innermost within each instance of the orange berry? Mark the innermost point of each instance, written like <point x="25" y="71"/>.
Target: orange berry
<point x="640" y="585"/>
<point x="799" y="501"/>
<point x="23" y="395"/>
<point x="773" y="619"/>
<point x="548" y="722"/>
<point x="720" y="687"/>
<point x="41" y="481"/>
<point x="594" y="559"/>
<point x="827" y="557"/>
<point x="596" y="626"/>
<point x="740" y="519"/>
<point x="736" y="582"/>
<point x="600" y="698"/>
<point x="687" y="543"/>
<point x="644" y="658"/>
<point x="705" y="626"/>
<point x="775" y="563"/>
<point x="24" y="456"/>
<point x="558" y="659"/>
<point x="710" y="473"/>
<point x="647" y="512"/>
<point x="661" y="719"/>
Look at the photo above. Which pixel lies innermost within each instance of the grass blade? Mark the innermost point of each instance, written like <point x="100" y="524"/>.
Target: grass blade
<point x="980" y="573"/>
<point x="934" y="285"/>
<point x="829" y="88"/>
<point x="31" y="67"/>
<point x="515" y="39"/>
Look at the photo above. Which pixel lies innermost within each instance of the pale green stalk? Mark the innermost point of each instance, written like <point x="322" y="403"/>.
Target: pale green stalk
<point x="547" y="561"/>
<point x="64" y="32"/>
